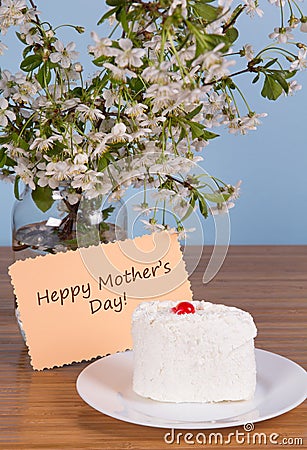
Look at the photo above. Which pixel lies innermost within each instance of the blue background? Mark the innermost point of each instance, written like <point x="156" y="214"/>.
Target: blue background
<point x="271" y="161"/>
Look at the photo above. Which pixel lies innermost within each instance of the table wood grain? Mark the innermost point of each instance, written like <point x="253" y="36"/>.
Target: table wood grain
<point x="42" y="410"/>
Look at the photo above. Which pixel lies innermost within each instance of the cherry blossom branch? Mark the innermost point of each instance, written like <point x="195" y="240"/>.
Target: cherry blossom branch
<point x="35" y="8"/>
<point x="210" y="83"/>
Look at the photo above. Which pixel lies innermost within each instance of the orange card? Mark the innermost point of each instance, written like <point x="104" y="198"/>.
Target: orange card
<point x="77" y="305"/>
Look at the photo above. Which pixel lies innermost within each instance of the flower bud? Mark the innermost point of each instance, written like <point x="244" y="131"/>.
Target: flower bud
<point x="293" y="21"/>
<point x="303" y="27"/>
<point x="78" y="67"/>
<point x="46" y="55"/>
<point x="80" y="29"/>
<point x="49" y="34"/>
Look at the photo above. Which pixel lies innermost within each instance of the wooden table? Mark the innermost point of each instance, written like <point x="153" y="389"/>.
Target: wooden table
<point x="42" y="410"/>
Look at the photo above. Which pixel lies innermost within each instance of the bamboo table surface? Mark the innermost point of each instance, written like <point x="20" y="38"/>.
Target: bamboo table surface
<point x="42" y="410"/>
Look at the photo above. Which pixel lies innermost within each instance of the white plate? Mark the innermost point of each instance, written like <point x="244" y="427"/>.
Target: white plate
<point x="106" y="385"/>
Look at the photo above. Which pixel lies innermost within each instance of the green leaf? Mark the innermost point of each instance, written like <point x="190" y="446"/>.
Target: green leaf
<point x="271" y="88"/>
<point x="215" y="197"/>
<point x="42" y="197"/>
<point x="22" y="39"/>
<point x="10" y="162"/>
<point x="107" y="212"/>
<point x="5" y="139"/>
<point x="232" y="34"/>
<point x="256" y="78"/>
<point x="209" y="135"/>
<point x="197" y="129"/>
<point x="43" y="76"/>
<point x="115" y="2"/>
<point x="99" y="62"/>
<point x="183" y="134"/>
<point x="136" y="85"/>
<point x="207" y="12"/>
<point x="107" y="15"/>
<point x="195" y="111"/>
<point x="203" y="206"/>
<point x="200" y="42"/>
<point x="270" y="63"/>
<point x="77" y="91"/>
<point x="27" y="50"/>
<point x="121" y="16"/>
<point x="282" y="81"/>
<point x="102" y="164"/>
<point x="31" y="62"/>
<point x="191" y="206"/>
<point x="16" y="187"/>
<point x="2" y="157"/>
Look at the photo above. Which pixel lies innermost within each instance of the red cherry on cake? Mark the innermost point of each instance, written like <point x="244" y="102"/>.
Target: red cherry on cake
<point x="184" y="308"/>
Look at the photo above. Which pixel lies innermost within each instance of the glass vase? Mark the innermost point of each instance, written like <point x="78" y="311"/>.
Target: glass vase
<point x="64" y="226"/>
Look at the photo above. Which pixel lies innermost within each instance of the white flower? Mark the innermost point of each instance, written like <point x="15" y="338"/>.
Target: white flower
<point x="184" y="233"/>
<point x="70" y="103"/>
<point x="303" y="26"/>
<point x="143" y="209"/>
<point x="64" y="55"/>
<point x="24" y="172"/>
<point x="7" y="83"/>
<point x="102" y="46"/>
<point x="158" y="74"/>
<point x="25" y="90"/>
<point x="118" y="134"/>
<point x="152" y="225"/>
<point x="162" y="96"/>
<point x="5" y="114"/>
<point x="3" y="47"/>
<point x="187" y="53"/>
<point x="81" y="158"/>
<point x="44" y="144"/>
<point x="214" y="63"/>
<point x="89" y="113"/>
<point x="221" y="208"/>
<point x="128" y="56"/>
<point x="252" y="8"/>
<point x="30" y="34"/>
<point x="234" y="191"/>
<point x="241" y="125"/>
<point x="11" y="13"/>
<point x="224" y="4"/>
<point x="152" y="122"/>
<point x="85" y="181"/>
<point x="178" y="3"/>
<point x="248" y="52"/>
<point x="57" y="171"/>
<point x="7" y="178"/>
<point x="109" y="97"/>
<point x="293" y="87"/>
<point x="136" y="110"/>
<point x="282" y="35"/>
<point x="251" y="121"/>
<point x="162" y="195"/>
<point x="300" y="63"/>
<point x="118" y="73"/>
<point x="277" y="3"/>
<point x="155" y="44"/>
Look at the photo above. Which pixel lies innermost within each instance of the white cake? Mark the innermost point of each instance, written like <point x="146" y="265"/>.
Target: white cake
<point x="205" y="356"/>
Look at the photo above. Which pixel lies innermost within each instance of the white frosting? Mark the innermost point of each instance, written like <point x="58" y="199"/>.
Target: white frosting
<point x="207" y="356"/>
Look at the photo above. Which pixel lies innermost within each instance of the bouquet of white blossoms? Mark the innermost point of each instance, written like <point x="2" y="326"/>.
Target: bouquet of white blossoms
<point x="162" y="88"/>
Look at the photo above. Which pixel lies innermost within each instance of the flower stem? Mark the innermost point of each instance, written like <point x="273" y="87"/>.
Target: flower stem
<point x="281" y="14"/>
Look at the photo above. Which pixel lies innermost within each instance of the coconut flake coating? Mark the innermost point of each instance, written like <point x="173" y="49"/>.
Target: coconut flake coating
<point x="207" y="356"/>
